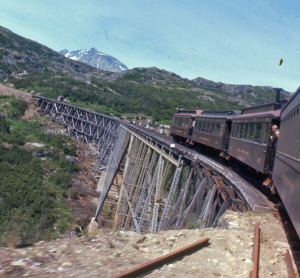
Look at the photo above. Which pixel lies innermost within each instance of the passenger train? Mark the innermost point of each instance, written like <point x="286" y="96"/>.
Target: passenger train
<point x="245" y="136"/>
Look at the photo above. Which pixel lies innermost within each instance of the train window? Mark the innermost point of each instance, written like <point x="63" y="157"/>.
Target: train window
<point x="266" y="133"/>
<point x="251" y="132"/>
<point x="212" y="127"/>
<point x="233" y="130"/>
<point x="244" y="131"/>
<point x="217" y="128"/>
<point x="203" y="126"/>
<point x="238" y="130"/>
<point x="196" y="125"/>
<point x="207" y="128"/>
<point x="241" y="130"/>
<point x="184" y="122"/>
<point x="257" y="132"/>
<point x="235" y="126"/>
<point x="199" y="125"/>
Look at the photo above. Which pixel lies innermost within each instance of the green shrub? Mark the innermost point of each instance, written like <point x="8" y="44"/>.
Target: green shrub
<point x="15" y="138"/>
<point x="4" y="125"/>
<point x="73" y="193"/>
<point x="61" y="180"/>
<point x="32" y="207"/>
<point x="19" y="106"/>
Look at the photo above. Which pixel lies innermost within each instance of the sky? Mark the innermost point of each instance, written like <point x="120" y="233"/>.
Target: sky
<point x="229" y="41"/>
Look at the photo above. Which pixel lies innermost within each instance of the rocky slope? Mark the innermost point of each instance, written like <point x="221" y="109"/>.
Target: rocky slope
<point x="231" y="88"/>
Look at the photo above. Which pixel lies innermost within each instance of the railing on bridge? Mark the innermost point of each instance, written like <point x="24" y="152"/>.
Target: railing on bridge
<point x="146" y="186"/>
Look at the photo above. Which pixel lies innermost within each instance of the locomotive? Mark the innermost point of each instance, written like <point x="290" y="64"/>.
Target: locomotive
<point x="245" y="136"/>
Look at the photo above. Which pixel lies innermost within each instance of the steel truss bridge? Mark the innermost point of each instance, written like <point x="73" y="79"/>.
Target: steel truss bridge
<point x="147" y="186"/>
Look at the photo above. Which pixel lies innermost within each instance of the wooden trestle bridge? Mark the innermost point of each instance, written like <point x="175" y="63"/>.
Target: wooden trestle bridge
<point x="155" y="187"/>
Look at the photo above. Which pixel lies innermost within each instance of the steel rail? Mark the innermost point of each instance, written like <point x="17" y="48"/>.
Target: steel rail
<point x="255" y="255"/>
<point x="289" y="264"/>
<point x="158" y="262"/>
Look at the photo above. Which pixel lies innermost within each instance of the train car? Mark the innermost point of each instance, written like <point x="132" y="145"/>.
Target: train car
<point x="181" y="122"/>
<point x="286" y="172"/>
<point x="249" y="140"/>
<point x="212" y="128"/>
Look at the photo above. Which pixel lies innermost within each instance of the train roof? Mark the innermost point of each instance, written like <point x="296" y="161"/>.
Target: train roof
<point x="222" y="113"/>
<point x="272" y="106"/>
<point x="293" y="102"/>
<point x="271" y="113"/>
<point x="191" y="113"/>
<point x="219" y="114"/>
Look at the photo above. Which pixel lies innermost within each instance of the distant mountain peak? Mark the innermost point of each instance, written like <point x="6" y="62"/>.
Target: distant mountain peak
<point x="96" y="59"/>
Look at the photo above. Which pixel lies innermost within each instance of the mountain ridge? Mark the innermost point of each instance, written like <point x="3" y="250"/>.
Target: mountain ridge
<point x="149" y="92"/>
<point x="96" y="59"/>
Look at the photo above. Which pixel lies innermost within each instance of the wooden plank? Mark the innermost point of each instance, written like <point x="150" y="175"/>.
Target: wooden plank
<point x="181" y="198"/>
<point x="194" y="201"/>
<point x="212" y="212"/>
<point x="180" y="214"/>
<point x="131" y="210"/>
<point x="208" y="177"/>
<point x="209" y="198"/>
<point x="122" y="186"/>
<point x="226" y="204"/>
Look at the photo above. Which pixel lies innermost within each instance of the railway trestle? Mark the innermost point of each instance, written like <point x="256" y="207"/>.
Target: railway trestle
<point x="148" y="186"/>
<point x="159" y="189"/>
<point x="85" y="125"/>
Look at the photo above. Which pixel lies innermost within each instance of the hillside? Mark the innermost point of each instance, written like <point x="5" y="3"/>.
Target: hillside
<point x="46" y="189"/>
<point x="152" y="92"/>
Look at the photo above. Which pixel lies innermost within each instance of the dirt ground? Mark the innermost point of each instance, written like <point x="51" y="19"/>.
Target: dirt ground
<point x="31" y="110"/>
<point x="9" y="90"/>
<point x="105" y="254"/>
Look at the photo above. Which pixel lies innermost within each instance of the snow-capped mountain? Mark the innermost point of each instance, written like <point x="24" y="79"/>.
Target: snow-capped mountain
<point x="96" y="59"/>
